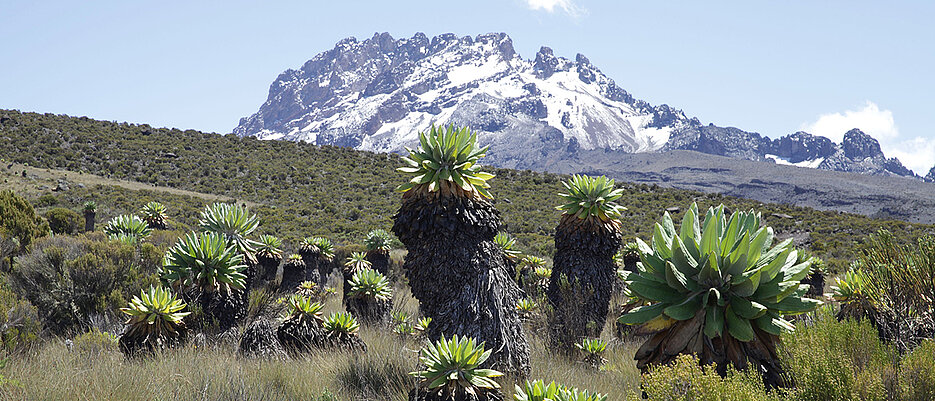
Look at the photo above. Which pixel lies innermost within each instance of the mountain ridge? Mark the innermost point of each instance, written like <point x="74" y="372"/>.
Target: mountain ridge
<point x="376" y="94"/>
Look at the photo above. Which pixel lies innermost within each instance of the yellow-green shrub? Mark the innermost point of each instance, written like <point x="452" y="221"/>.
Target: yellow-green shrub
<point x="917" y="373"/>
<point x="686" y="380"/>
<point x="830" y="360"/>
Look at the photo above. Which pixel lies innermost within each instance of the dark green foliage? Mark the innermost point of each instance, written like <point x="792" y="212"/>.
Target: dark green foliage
<point x="62" y="220"/>
<point x="19" y="219"/>
<point x="19" y="321"/>
<point x="72" y="279"/>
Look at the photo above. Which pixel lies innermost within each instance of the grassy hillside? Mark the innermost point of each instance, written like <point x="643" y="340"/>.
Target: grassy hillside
<point x="300" y="189"/>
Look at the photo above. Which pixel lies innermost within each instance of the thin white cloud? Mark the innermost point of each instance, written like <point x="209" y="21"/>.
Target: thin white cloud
<point x="918" y="153"/>
<point x="568" y="6"/>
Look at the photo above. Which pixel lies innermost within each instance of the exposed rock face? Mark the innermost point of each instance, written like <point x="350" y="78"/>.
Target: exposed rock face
<point x="802" y="146"/>
<point x="930" y="177"/>
<point x="377" y="94"/>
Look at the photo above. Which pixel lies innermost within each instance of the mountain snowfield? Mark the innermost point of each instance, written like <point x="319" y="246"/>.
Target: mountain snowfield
<point x="379" y="93"/>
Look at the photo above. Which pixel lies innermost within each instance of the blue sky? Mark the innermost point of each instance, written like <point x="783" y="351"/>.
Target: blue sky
<point x="772" y="67"/>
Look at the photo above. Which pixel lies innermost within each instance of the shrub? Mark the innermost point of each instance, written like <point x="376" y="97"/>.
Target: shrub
<point x="917" y="373"/>
<point x="832" y="360"/>
<point x="900" y="288"/>
<point x="95" y="342"/>
<point x="19" y="321"/>
<point x="685" y="379"/>
<point x="72" y="279"/>
<point x="63" y="221"/>
<point x="20" y="220"/>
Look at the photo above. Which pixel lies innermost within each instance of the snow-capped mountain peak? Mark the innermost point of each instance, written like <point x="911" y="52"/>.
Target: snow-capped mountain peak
<point x="377" y="94"/>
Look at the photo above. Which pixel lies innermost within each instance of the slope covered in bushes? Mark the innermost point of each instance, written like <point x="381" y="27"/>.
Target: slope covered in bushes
<point x="303" y="189"/>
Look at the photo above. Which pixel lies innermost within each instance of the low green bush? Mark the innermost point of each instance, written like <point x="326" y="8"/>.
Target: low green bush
<point x="917" y="374"/>
<point x="74" y="279"/>
<point x="95" y="342"/>
<point x="63" y="221"/>
<point x="20" y="220"/>
<point x="19" y="321"/>
<point x="831" y="360"/>
<point x="686" y="380"/>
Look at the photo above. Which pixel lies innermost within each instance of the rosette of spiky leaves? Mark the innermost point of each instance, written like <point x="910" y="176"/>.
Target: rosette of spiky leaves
<point x="446" y="160"/>
<point x="234" y="222"/>
<point x="154" y="214"/>
<point x="453" y="364"/>
<point x="303" y="307"/>
<point x="573" y="394"/>
<point x="526" y="306"/>
<point x="356" y="262"/>
<point x="422" y="324"/>
<point x="506" y="244"/>
<point x="592" y="346"/>
<point x="127" y="226"/>
<point x="593" y="349"/>
<point x="404" y="329"/>
<point x="294" y="257"/>
<point x="720" y="277"/>
<point x="727" y="268"/>
<point x="369" y="283"/>
<point x="325" y="248"/>
<point x="851" y="287"/>
<point x="307" y="289"/>
<point x="90" y="206"/>
<point x="533" y="263"/>
<point x="399" y="316"/>
<point x="341" y="324"/>
<point x="591" y="198"/>
<point x="543" y="272"/>
<point x="155" y="314"/>
<point x="379" y="240"/>
<point x="205" y="260"/>
<point x="537" y="390"/>
<point x="269" y="247"/>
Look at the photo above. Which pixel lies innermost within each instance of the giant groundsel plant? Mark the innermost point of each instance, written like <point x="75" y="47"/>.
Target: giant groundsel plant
<point x="718" y="288"/>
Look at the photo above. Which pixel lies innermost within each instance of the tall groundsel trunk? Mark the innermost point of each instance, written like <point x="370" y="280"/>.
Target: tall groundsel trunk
<point x="454" y="267"/>
<point x="586" y="239"/>
<point x="459" y="275"/>
<point x="582" y="278"/>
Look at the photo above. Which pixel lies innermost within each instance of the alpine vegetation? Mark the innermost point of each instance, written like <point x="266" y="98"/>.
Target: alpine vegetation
<point x="89" y="210"/>
<point x="370" y="297"/>
<point x="268" y="256"/>
<point x="379" y="242"/>
<point x="586" y="239"/>
<point x="209" y="269"/>
<point x="127" y="228"/>
<point x="452" y="372"/>
<point x="718" y="289"/>
<point x="293" y="273"/>
<point x="355" y="263"/>
<point x="303" y="330"/>
<point x="341" y="332"/>
<point x="155" y="321"/>
<point x="154" y="214"/>
<point x="455" y="269"/>
<point x="235" y="223"/>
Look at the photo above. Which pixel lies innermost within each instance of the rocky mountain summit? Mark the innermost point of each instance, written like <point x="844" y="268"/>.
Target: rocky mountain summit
<point x="377" y="94"/>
